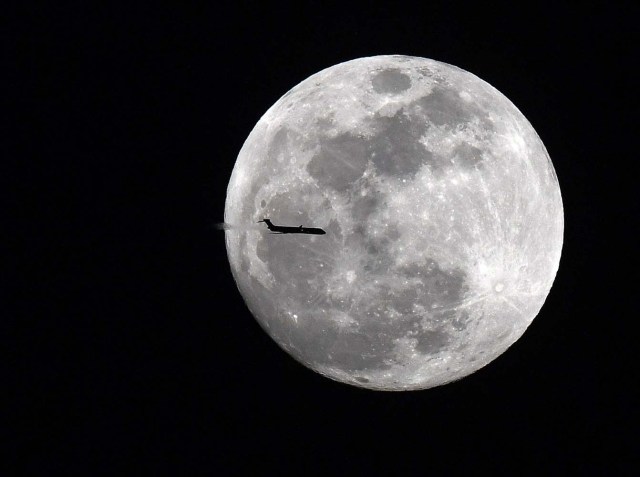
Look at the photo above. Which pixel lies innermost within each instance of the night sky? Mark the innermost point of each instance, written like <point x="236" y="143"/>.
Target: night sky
<point x="129" y="345"/>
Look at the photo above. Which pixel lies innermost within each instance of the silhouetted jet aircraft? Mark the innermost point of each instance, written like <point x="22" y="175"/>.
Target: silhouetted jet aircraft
<point x="279" y="229"/>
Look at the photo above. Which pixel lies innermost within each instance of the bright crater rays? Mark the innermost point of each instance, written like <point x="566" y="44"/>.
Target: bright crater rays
<point x="443" y="215"/>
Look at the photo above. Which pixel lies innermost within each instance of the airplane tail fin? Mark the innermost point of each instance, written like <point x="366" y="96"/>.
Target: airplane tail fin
<point x="266" y="221"/>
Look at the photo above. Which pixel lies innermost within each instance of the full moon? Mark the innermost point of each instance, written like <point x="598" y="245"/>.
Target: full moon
<point x="443" y="219"/>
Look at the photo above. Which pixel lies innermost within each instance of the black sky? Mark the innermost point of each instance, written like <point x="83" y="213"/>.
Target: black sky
<point x="132" y="349"/>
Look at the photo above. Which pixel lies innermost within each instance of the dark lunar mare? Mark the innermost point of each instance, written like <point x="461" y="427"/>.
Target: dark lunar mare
<point x="395" y="146"/>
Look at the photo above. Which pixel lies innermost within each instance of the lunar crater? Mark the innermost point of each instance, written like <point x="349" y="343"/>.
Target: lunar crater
<point x="391" y="81"/>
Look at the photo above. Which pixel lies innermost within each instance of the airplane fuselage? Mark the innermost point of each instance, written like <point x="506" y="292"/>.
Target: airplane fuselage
<point x="281" y="229"/>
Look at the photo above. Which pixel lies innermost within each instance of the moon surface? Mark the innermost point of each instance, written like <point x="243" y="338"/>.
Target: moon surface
<point x="443" y="215"/>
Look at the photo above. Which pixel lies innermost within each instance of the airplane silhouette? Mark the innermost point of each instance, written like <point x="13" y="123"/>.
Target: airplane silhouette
<point x="280" y="229"/>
